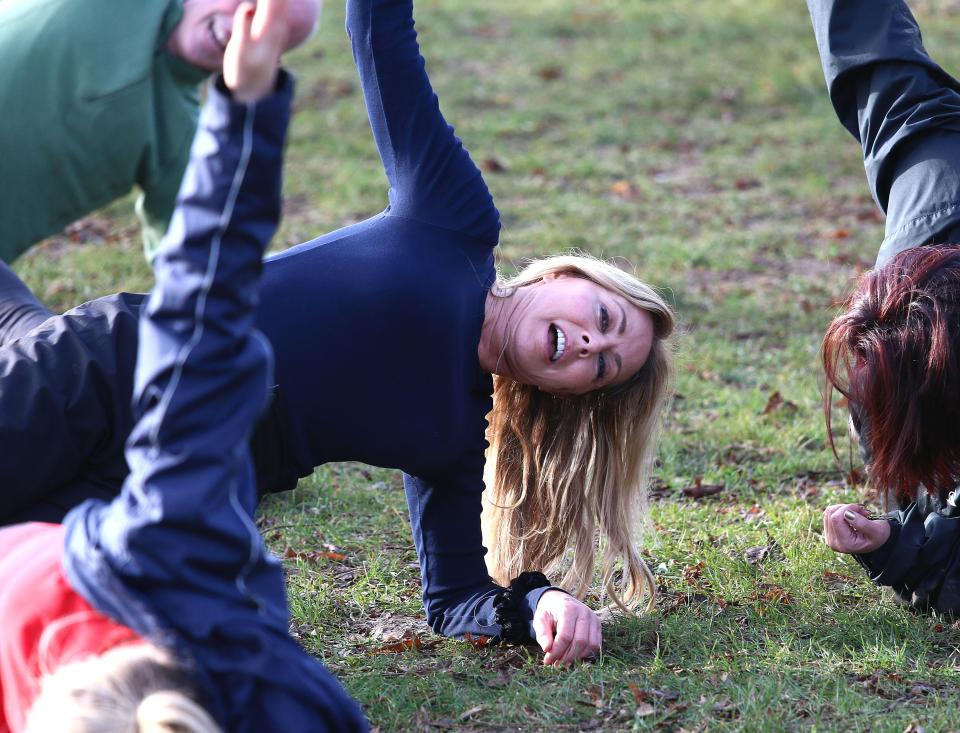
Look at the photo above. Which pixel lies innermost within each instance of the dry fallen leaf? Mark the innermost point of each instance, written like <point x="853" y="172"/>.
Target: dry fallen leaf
<point x="470" y="713"/>
<point x="776" y="402"/>
<point x="759" y="554"/>
<point x="477" y="641"/>
<point x="726" y="709"/>
<point x="644" y="709"/>
<point x="550" y="73"/>
<point x="658" y="489"/>
<point x="692" y="573"/>
<point x="837" y="581"/>
<point x="700" y="489"/>
<point x="313" y="556"/>
<point x="398" y="647"/>
<point x="492" y="165"/>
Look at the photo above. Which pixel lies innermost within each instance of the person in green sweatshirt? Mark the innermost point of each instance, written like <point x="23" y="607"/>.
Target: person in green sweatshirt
<point x="99" y="96"/>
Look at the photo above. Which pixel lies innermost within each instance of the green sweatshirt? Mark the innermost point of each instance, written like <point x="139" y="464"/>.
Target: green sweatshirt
<point x="91" y="104"/>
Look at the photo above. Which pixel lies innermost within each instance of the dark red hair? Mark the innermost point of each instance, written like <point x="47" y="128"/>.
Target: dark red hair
<point x="894" y="353"/>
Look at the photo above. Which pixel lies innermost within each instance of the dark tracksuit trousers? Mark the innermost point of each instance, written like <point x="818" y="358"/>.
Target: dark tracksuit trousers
<point x="65" y="405"/>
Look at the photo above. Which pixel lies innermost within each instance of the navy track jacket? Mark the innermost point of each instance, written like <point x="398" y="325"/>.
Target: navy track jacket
<point x="176" y="556"/>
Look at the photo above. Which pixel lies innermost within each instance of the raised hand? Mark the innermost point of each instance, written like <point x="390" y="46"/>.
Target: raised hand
<point x="848" y="528"/>
<point x="252" y="58"/>
<point x="566" y="629"/>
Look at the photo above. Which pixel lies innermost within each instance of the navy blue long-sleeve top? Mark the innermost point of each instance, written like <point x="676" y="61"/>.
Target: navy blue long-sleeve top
<point x="177" y="557"/>
<point x="376" y="326"/>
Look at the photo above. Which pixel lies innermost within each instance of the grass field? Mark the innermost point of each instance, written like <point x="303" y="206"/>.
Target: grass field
<point x="694" y="139"/>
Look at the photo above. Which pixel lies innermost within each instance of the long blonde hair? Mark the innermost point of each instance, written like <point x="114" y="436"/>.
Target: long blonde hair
<point x="128" y="689"/>
<point x="559" y="469"/>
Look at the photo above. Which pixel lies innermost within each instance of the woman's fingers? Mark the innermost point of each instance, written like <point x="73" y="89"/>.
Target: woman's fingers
<point x="847" y="528"/>
<point x="561" y="640"/>
<point x="252" y="57"/>
<point x="243" y="25"/>
<point x="271" y="19"/>
<point x="234" y="56"/>
<point x="572" y="629"/>
<point x="543" y="628"/>
<point x="837" y="532"/>
<point x="577" y="631"/>
<point x="596" y="636"/>
<point x="873" y="533"/>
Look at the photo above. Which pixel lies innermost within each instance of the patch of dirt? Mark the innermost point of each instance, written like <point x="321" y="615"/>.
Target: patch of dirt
<point x="393" y="627"/>
<point x="90" y="230"/>
<point x="769" y="275"/>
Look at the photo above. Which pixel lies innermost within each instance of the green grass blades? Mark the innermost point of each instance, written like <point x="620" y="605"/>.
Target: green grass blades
<point x="693" y="138"/>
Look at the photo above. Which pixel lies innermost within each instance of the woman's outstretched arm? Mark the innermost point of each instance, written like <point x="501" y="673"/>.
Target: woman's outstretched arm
<point x="903" y="108"/>
<point x="459" y="596"/>
<point x="432" y="178"/>
<point x="177" y="556"/>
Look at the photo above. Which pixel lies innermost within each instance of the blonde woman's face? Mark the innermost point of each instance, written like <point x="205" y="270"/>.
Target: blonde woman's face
<point x="569" y="335"/>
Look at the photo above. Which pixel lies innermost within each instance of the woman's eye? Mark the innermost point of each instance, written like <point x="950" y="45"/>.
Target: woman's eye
<point x="601" y="366"/>
<point x="604" y="319"/>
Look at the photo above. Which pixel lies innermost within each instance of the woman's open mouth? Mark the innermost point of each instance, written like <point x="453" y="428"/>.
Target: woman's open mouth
<point x="558" y="341"/>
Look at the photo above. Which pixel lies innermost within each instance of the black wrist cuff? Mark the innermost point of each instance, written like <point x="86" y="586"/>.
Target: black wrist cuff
<point x="507" y="609"/>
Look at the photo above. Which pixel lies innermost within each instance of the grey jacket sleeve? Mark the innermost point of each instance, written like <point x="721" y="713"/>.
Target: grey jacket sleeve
<point x="902" y="108"/>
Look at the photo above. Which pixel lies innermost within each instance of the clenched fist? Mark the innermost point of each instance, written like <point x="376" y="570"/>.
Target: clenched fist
<point x="848" y="528"/>
<point x="566" y="629"/>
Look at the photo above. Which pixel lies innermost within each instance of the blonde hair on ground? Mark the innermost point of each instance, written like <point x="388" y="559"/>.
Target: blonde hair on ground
<point x="129" y="689"/>
<point x="572" y="473"/>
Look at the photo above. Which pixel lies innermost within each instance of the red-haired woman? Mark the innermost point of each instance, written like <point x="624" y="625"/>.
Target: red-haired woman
<point x="894" y="350"/>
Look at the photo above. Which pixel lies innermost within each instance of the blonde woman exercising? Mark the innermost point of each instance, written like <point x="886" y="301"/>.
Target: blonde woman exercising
<point x="395" y="345"/>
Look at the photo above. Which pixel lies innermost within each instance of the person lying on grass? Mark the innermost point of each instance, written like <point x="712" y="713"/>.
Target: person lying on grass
<point x="105" y="97"/>
<point x="395" y="342"/>
<point x="894" y="349"/>
<point x="162" y="610"/>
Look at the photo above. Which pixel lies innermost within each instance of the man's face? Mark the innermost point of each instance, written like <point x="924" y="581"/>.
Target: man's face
<point x="201" y="36"/>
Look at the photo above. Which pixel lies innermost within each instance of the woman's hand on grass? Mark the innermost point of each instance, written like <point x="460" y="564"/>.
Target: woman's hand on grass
<point x="848" y="528"/>
<point x="566" y="629"/>
<point x="252" y="57"/>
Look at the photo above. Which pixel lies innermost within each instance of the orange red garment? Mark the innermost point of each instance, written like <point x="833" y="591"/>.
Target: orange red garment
<point x="44" y="623"/>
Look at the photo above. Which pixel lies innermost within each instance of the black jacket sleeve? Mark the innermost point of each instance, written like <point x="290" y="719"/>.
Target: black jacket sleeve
<point x="920" y="560"/>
